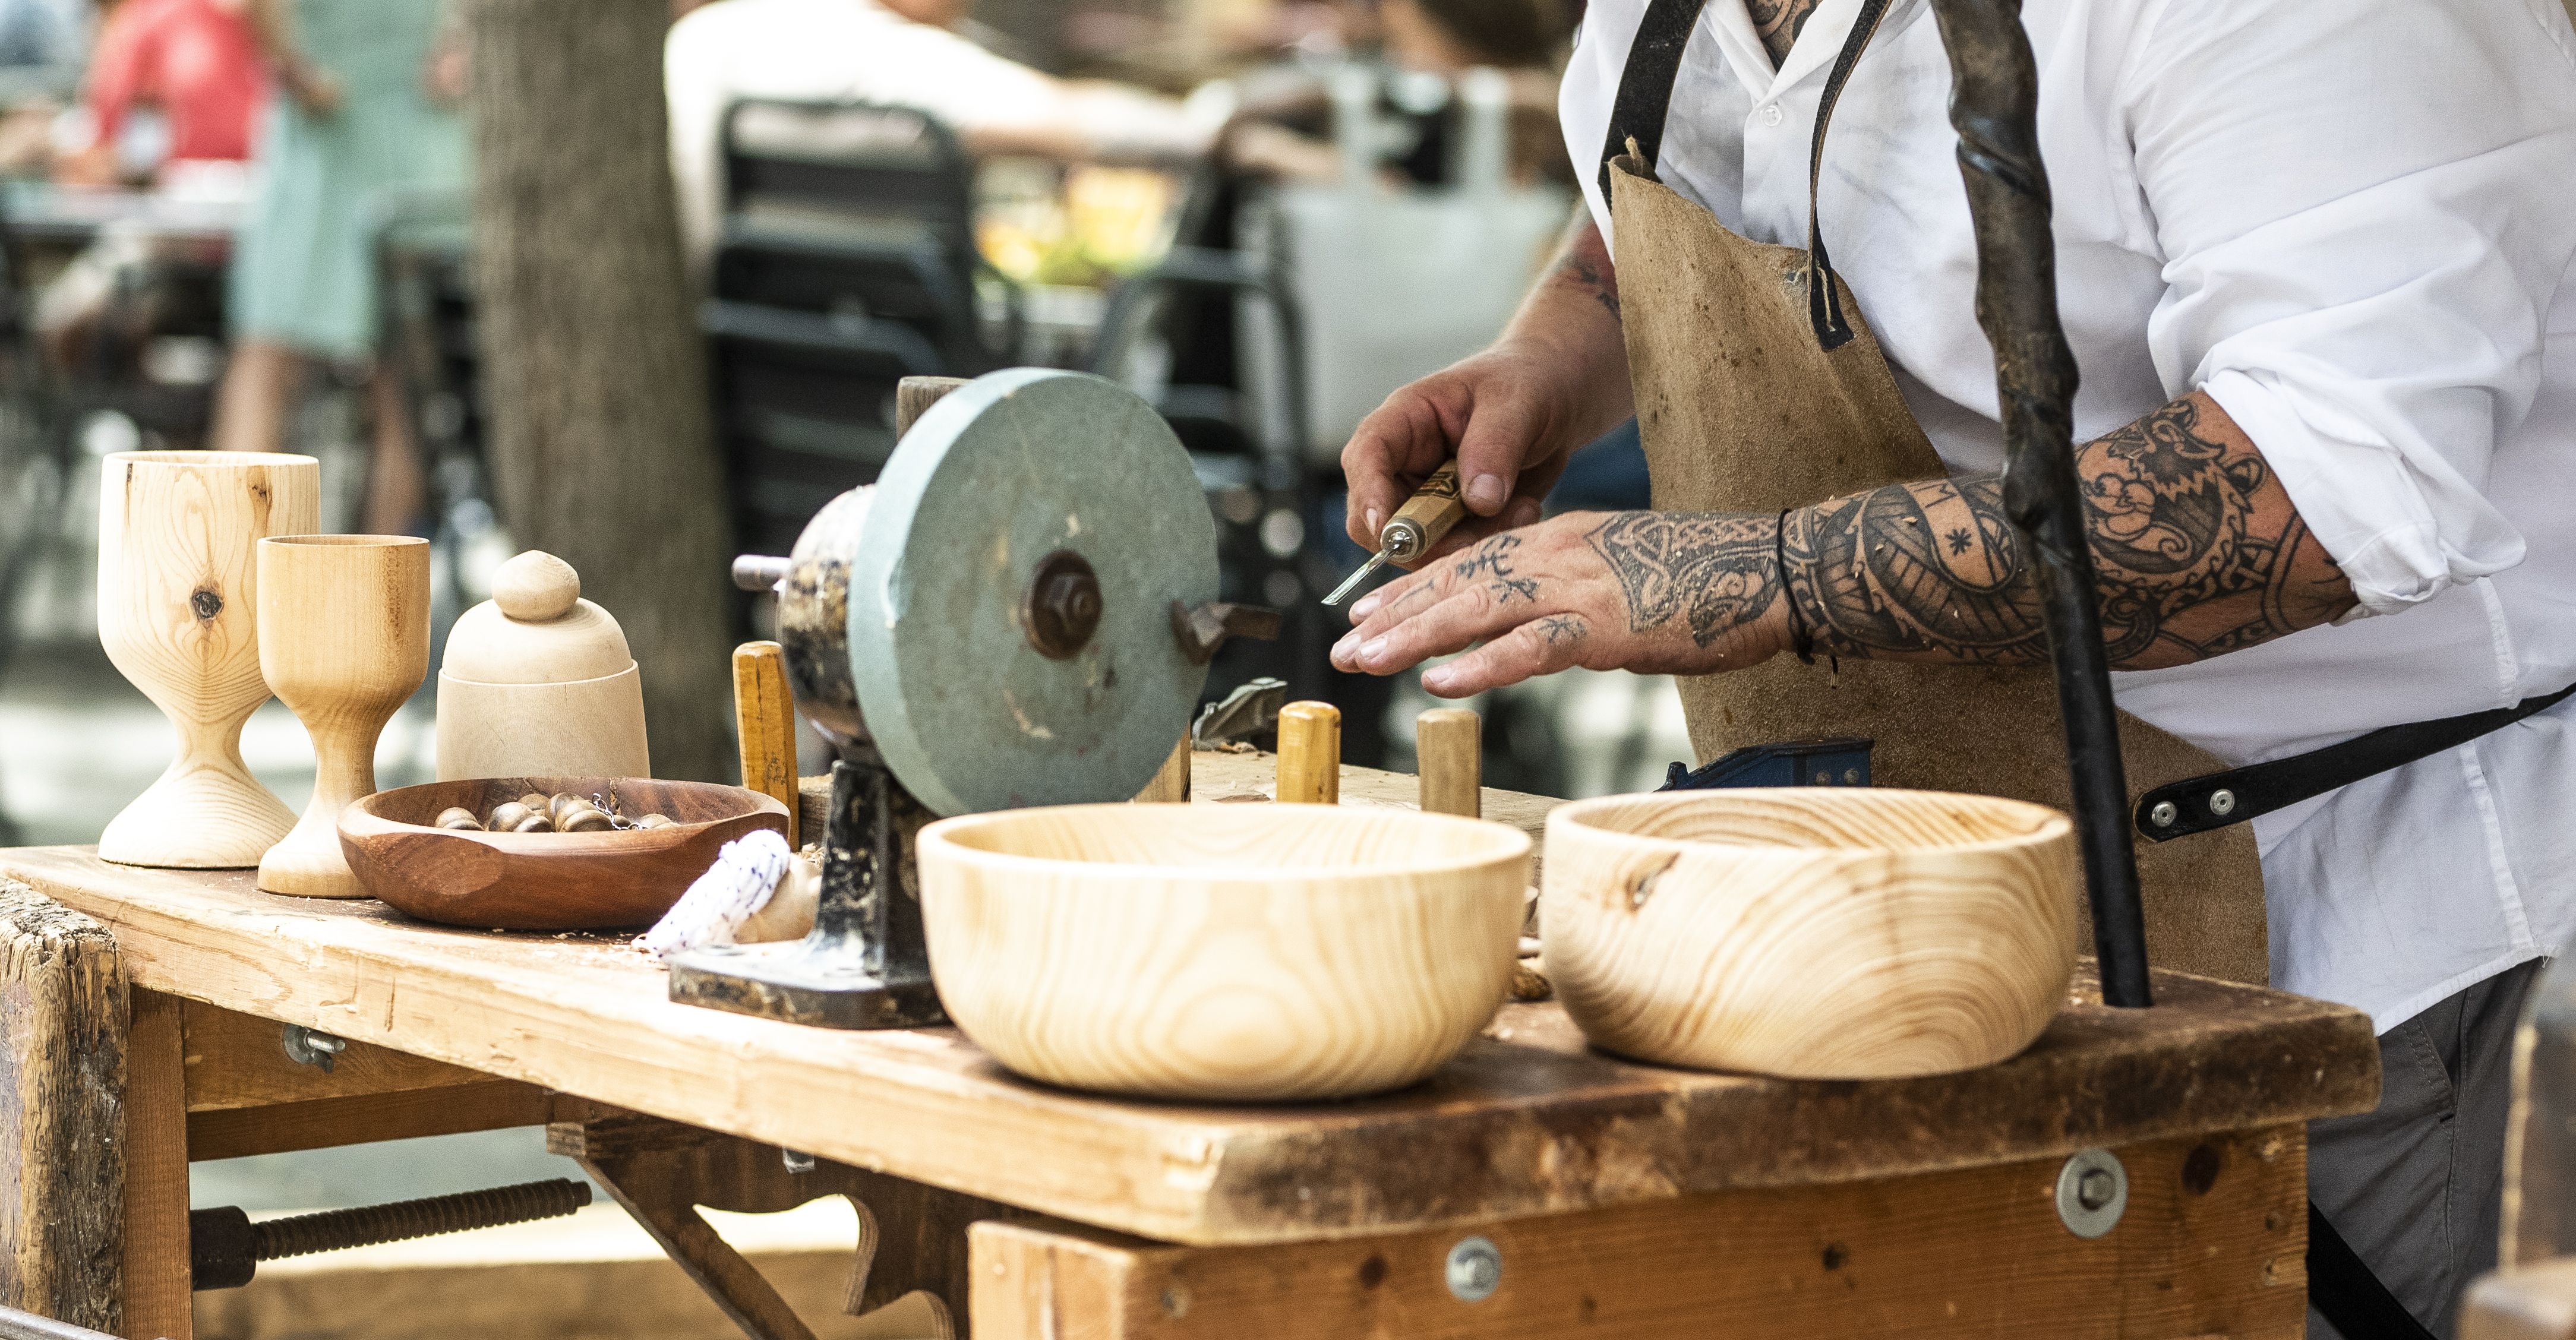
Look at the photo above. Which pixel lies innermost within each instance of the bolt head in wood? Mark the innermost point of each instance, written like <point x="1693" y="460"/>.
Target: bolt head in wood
<point x="2092" y="1192"/>
<point x="1474" y="1269"/>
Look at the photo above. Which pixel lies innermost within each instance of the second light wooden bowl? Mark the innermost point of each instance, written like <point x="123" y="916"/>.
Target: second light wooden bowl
<point x="544" y="881"/>
<point x="1222" y="952"/>
<point x="1811" y="932"/>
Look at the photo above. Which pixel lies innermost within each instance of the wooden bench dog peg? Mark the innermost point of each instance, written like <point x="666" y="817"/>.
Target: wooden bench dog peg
<point x="765" y="715"/>
<point x="1449" y="753"/>
<point x="1310" y="754"/>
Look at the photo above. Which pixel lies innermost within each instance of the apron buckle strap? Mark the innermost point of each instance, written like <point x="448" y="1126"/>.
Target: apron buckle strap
<point x="2199" y="804"/>
<point x="1825" y="301"/>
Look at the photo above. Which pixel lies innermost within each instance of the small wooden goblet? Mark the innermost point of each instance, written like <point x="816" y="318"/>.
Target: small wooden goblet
<point x="177" y="595"/>
<point x="343" y="641"/>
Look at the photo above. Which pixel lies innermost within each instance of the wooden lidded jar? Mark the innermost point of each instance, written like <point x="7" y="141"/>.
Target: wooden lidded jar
<point x="538" y="682"/>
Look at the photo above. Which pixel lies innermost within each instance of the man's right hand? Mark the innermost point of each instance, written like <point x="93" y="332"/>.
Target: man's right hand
<point x="1557" y="379"/>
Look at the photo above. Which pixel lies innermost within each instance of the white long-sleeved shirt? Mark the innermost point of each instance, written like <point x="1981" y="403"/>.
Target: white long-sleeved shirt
<point x="2353" y="226"/>
<point x="831" y="50"/>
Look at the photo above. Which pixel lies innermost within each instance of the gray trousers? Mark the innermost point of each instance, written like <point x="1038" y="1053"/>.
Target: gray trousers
<point x="2417" y="1186"/>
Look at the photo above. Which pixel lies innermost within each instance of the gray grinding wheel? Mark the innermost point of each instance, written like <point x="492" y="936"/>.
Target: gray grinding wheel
<point x="999" y="475"/>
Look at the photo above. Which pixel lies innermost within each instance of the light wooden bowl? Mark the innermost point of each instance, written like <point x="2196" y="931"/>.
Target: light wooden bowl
<point x="1811" y="932"/>
<point x="544" y="881"/>
<point x="1222" y="952"/>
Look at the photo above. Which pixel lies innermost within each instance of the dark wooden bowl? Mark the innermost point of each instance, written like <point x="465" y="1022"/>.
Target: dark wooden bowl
<point x="545" y="881"/>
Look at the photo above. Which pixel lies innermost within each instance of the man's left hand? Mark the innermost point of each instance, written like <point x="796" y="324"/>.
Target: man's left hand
<point x="1654" y="592"/>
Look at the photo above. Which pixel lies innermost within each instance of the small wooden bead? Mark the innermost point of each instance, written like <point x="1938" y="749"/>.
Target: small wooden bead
<point x="533" y="823"/>
<point x="535" y="800"/>
<point x="460" y="819"/>
<point x="507" y="815"/>
<point x="654" y="821"/>
<point x="585" y="819"/>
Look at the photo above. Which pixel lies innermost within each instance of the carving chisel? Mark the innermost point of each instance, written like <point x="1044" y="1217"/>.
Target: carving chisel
<point x="1432" y="511"/>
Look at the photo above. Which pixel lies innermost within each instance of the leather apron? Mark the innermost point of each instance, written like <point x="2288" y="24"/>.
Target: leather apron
<point x="1757" y="391"/>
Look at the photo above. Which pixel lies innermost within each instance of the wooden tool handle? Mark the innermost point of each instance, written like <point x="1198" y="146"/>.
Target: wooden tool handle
<point x="913" y="397"/>
<point x="1171" y="783"/>
<point x="765" y="714"/>
<point x="1449" y="752"/>
<point x="1310" y="754"/>
<point x="1434" y="510"/>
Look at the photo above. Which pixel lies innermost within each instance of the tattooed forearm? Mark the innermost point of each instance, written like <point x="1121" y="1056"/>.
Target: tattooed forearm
<point x="1716" y="573"/>
<point x="1778" y="22"/>
<point x="2196" y="546"/>
<point x="1584" y="265"/>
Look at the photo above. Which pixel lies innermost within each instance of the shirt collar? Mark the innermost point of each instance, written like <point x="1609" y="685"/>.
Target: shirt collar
<point x="1818" y="43"/>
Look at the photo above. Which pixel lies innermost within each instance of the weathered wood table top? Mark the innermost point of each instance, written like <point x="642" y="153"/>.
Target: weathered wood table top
<point x="1526" y="1121"/>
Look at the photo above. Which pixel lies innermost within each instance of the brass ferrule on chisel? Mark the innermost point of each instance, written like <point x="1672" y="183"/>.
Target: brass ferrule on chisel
<point x="1429" y="515"/>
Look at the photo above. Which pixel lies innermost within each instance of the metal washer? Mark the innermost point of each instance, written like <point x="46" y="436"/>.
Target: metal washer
<point x="995" y="477"/>
<point x="2092" y="1192"/>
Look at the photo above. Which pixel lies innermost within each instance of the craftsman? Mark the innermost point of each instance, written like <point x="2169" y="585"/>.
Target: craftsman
<point x="2313" y="272"/>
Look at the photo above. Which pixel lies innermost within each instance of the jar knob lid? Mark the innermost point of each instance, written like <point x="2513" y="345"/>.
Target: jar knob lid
<point x="536" y="587"/>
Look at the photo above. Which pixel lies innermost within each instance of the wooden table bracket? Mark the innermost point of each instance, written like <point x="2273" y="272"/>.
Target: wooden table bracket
<point x="912" y="1238"/>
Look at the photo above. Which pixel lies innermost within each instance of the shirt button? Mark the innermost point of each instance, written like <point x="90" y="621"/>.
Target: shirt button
<point x="1771" y="115"/>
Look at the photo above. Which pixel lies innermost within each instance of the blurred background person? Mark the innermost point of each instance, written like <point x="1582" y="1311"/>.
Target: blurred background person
<point x="173" y="96"/>
<point x="906" y="53"/>
<point x="1281" y="131"/>
<point x="370" y="112"/>
<point x="175" y="87"/>
<point x="44" y="45"/>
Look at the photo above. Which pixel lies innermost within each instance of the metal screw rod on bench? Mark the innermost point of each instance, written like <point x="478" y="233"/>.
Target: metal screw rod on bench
<point x="1994" y="106"/>
<point x="225" y="1247"/>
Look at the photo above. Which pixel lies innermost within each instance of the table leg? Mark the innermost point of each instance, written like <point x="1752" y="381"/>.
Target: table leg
<point x="912" y="1238"/>
<point x="63" y="1022"/>
<point x="157" y="1288"/>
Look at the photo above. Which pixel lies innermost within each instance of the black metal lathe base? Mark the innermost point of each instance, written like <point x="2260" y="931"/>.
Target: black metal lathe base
<point x="802" y="982"/>
<point x="865" y="964"/>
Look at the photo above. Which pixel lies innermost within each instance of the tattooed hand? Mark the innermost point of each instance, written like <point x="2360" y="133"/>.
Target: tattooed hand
<point x="1672" y="592"/>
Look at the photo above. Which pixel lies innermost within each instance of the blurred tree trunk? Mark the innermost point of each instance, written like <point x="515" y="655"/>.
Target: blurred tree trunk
<point x="599" y="435"/>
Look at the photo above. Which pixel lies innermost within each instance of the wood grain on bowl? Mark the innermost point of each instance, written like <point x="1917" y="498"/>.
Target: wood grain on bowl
<point x="544" y="881"/>
<point x="1233" y="953"/>
<point x="1811" y="932"/>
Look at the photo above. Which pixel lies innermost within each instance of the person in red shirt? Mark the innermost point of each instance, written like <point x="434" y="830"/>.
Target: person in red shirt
<point x="197" y="60"/>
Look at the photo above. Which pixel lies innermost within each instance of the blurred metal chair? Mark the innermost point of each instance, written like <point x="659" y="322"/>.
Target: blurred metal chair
<point x="845" y="261"/>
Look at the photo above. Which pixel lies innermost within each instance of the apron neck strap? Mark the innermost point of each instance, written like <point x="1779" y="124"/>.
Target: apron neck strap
<point x="1644" y="101"/>
<point x="1824" y="297"/>
<point x="1646" y="86"/>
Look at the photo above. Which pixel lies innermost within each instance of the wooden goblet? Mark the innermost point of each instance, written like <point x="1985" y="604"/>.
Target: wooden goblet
<point x="177" y="591"/>
<point x="343" y="640"/>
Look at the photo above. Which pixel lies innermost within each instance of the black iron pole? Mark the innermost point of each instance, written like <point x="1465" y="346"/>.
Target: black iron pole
<point x="1994" y="105"/>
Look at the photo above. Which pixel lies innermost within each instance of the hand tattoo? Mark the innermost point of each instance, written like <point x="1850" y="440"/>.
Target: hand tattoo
<point x="2186" y="566"/>
<point x="1558" y="628"/>
<point x="1715" y="571"/>
<point x="1492" y="559"/>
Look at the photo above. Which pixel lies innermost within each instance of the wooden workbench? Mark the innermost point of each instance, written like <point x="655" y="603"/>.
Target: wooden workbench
<point x="1623" y="1200"/>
